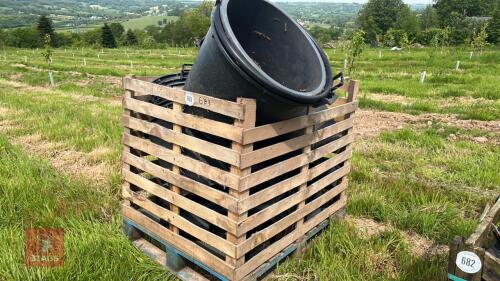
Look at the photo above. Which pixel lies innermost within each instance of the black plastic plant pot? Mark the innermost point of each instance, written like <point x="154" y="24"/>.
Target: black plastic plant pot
<point x="254" y="50"/>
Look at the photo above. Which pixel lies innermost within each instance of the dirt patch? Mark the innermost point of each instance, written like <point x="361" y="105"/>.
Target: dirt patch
<point x="370" y="123"/>
<point x="70" y="162"/>
<point x="419" y="246"/>
<point x="115" y="81"/>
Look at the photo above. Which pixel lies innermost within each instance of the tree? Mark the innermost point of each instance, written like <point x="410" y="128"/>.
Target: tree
<point x="356" y="46"/>
<point x="117" y="29"/>
<point x="493" y="29"/>
<point x="321" y="34"/>
<point x="407" y="21"/>
<point x="44" y="27"/>
<point x="378" y="16"/>
<point x="463" y="8"/>
<point x="191" y="26"/>
<point x="130" y="38"/>
<point x="26" y="37"/>
<point x="429" y="18"/>
<point x="107" y="38"/>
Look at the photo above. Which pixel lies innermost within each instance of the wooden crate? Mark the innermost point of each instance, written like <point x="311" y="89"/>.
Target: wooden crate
<point x="237" y="220"/>
<point x="480" y="243"/>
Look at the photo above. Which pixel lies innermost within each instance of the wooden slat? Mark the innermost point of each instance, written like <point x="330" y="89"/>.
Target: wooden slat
<point x="270" y="231"/>
<point x="276" y="129"/>
<point x="272" y="192"/>
<point x="218" y="197"/>
<point x="491" y="267"/>
<point x="276" y="247"/>
<point x="328" y="179"/>
<point x="181" y="223"/>
<point x="322" y="151"/>
<point x="248" y="122"/>
<point x="305" y="169"/>
<point x="293" y="163"/>
<point x="329" y="164"/>
<point x="222" y="177"/>
<point x="281" y="148"/>
<point x="216" y="128"/>
<point x="223" y="107"/>
<point x="480" y="235"/>
<point x="203" y="147"/>
<point x="176" y="150"/>
<point x="180" y="242"/>
<point x="147" y="78"/>
<point x="454" y="247"/>
<point x="184" y="203"/>
<point x="278" y="207"/>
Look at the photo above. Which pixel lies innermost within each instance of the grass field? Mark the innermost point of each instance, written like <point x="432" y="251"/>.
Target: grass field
<point x="425" y="163"/>
<point x="142" y="22"/>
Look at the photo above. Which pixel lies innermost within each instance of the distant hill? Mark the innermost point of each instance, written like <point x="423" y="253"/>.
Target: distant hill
<point x="137" y="14"/>
<point x="72" y="14"/>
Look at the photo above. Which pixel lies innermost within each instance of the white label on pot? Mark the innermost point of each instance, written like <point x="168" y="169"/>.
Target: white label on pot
<point x="468" y="262"/>
<point x="189" y="99"/>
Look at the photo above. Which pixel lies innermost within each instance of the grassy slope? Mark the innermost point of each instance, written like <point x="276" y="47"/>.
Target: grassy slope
<point x="411" y="179"/>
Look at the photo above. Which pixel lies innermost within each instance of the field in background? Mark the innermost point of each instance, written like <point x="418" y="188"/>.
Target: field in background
<point x="425" y="163"/>
<point x="142" y="22"/>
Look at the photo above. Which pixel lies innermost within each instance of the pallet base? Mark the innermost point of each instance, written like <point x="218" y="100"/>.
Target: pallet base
<point x="181" y="264"/>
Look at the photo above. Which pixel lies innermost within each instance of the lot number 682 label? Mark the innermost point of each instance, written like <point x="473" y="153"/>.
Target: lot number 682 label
<point x="468" y="262"/>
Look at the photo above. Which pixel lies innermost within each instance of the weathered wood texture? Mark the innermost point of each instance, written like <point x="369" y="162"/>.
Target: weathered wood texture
<point x="480" y="243"/>
<point x="229" y="197"/>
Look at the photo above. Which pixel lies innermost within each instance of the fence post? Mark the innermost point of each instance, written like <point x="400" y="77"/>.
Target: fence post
<point x="422" y="76"/>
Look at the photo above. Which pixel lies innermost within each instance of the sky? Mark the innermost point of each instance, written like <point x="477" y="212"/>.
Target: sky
<point x="355" y="1"/>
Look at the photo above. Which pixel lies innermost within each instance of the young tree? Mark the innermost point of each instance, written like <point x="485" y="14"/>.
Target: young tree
<point x="130" y="38"/>
<point x="404" y="41"/>
<point x="107" y="39"/>
<point x="44" y="27"/>
<point x="479" y="41"/>
<point x="356" y="47"/>
<point x="47" y="52"/>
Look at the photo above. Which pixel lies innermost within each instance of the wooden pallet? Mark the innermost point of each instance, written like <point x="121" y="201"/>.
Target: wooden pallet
<point x="252" y="196"/>
<point x="480" y="243"/>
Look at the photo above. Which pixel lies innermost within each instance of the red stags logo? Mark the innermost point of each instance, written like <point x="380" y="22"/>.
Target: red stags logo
<point x="44" y="247"/>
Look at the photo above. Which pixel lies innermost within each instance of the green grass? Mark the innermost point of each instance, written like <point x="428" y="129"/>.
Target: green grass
<point x="414" y="179"/>
<point x="341" y="253"/>
<point x="421" y="182"/>
<point x="84" y="125"/>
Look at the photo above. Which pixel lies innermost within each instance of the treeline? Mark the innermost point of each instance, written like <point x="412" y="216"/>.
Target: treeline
<point x="191" y="26"/>
<point x="384" y="23"/>
<point x="392" y="23"/>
